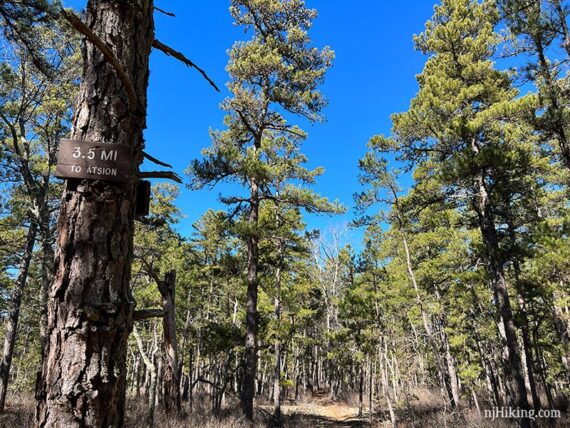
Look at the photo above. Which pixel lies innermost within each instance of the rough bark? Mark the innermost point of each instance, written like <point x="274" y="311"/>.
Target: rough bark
<point x="90" y="307"/>
<point x="14" y="314"/>
<point x="172" y="399"/>
<point x="513" y="364"/>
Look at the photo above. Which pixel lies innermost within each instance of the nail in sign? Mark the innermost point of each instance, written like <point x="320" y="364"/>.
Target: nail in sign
<point x="95" y="161"/>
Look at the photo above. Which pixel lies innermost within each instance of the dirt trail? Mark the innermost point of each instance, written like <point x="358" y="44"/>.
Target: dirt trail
<point x="315" y="415"/>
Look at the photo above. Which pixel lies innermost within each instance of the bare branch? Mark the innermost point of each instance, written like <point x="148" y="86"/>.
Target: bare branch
<point x="80" y="26"/>
<point x="179" y="56"/>
<point x="164" y="12"/>
<point x="145" y="314"/>
<point x="169" y="175"/>
<point x="155" y="160"/>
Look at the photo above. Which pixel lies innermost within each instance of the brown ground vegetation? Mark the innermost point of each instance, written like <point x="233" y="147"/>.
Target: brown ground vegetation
<point x="425" y="410"/>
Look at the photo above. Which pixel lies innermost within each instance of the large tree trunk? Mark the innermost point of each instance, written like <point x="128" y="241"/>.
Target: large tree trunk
<point x="14" y="314"/>
<point x="171" y="378"/>
<point x="248" y="391"/>
<point x="513" y="366"/>
<point x="90" y="305"/>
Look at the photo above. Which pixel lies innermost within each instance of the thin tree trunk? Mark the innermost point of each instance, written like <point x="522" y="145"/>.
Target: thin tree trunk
<point x="360" y="390"/>
<point x="46" y="267"/>
<point x="542" y="371"/>
<point x="248" y="391"/>
<point x="46" y="274"/>
<point x="563" y="335"/>
<point x="14" y="314"/>
<point x="277" y="375"/>
<point x="370" y="386"/>
<point x="383" y="360"/>
<point x="527" y="351"/>
<point x="452" y="373"/>
<point x="167" y="289"/>
<point x="426" y="323"/>
<point x="476" y="402"/>
<point x="151" y="370"/>
<point x="90" y="306"/>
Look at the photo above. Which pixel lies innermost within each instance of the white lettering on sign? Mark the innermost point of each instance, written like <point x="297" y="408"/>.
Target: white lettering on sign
<point x="105" y="154"/>
<point x="97" y="170"/>
<point x="93" y="160"/>
<point x="108" y="155"/>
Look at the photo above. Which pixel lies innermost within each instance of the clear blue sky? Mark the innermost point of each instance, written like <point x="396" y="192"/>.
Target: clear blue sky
<point x="372" y="77"/>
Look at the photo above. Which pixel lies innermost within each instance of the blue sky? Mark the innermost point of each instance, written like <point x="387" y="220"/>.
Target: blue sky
<point x="372" y="77"/>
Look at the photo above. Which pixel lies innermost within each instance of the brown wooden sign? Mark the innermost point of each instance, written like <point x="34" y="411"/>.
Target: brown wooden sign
<point x="95" y="161"/>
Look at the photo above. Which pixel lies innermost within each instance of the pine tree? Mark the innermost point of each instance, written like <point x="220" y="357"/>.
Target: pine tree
<point x="35" y="110"/>
<point x="463" y="127"/>
<point x="536" y="27"/>
<point x="90" y="306"/>
<point x="276" y="72"/>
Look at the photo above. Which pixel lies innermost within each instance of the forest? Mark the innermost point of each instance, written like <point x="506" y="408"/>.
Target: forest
<point x="443" y="302"/>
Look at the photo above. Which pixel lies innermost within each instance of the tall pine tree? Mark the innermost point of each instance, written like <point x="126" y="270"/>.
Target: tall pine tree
<point x="274" y="74"/>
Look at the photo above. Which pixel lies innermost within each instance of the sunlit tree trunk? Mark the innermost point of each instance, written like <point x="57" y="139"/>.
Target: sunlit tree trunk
<point x="151" y="372"/>
<point x="248" y="389"/>
<point x="167" y="289"/>
<point x="90" y="306"/>
<point x="14" y="314"/>
<point x="513" y="365"/>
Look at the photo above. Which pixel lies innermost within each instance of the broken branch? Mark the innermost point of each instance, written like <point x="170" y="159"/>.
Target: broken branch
<point x="179" y="56"/>
<point x="164" y="12"/>
<point x="80" y="26"/>
<point x="145" y="314"/>
<point x="155" y="160"/>
<point x="162" y="174"/>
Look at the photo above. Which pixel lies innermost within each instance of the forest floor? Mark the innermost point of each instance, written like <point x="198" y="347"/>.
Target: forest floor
<point x="334" y="415"/>
<point x="311" y="414"/>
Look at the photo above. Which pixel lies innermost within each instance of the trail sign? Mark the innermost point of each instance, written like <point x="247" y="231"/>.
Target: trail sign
<point x="95" y="161"/>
